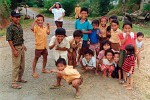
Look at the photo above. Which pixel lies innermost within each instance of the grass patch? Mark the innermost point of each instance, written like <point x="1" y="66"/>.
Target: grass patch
<point x="2" y="32"/>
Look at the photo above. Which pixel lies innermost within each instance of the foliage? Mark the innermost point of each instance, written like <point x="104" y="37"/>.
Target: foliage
<point x="146" y="7"/>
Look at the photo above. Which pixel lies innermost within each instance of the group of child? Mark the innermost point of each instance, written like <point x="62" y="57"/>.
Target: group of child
<point x="95" y="46"/>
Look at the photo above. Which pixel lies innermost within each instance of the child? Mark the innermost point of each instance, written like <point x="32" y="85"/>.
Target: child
<point x="14" y="36"/>
<point x="94" y="37"/>
<point x="114" y="39"/>
<point x="75" y="46"/>
<point x="60" y="44"/>
<point x="140" y="47"/>
<point x="117" y="73"/>
<point x="128" y="66"/>
<point x="72" y="76"/>
<point x="77" y="11"/>
<point x="108" y="32"/>
<point x="85" y="26"/>
<point x="40" y="31"/>
<point x="106" y="45"/>
<point x="107" y="63"/>
<point x="126" y="38"/>
<point x="59" y="13"/>
<point x="89" y="61"/>
<point x="103" y="27"/>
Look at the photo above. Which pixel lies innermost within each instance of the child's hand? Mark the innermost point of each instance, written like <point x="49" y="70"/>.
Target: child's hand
<point x="48" y="25"/>
<point x="24" y="47"/>
<point x="16" y="53"/>
<point x="57" y="47"/>
<point x="53" y="70"/>
<point x="35" y="20"/>
<point x="130" y="71"/>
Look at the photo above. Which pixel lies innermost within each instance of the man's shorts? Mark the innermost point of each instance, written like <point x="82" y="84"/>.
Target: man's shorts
<point x="43" y="52"/>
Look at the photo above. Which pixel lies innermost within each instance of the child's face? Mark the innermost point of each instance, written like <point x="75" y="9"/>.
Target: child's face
<point x="110" y="20"/>
<point x="60" y="66"/>
<point x="114" y="26"/>
<point x="57" y="5"/>
<point x="15" y="20"/>
<point x="103" y="22"/>
<point x="84" y="14"/>
<point x="77" y="39"/>
<point x="109" y="56"/>
<point x="127" y="28"/>
<point x="60" y="38"/>
<point x="39" y="21"/>
<point x="95" y="26"/>
<point x="88" y="57"/>
<point x="140" y="38"/>
<point x="116" y="57"/>
<point x="106" y="47"/>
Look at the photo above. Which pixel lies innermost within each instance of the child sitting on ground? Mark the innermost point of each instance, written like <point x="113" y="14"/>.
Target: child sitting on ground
<point x="94" y="37"/>
<point x="72" y="76"/>
<point x="140" y="47"/>
<point x="89" y="61"/>
<point x="107" y="63"/>
<point x="75" y="46"/>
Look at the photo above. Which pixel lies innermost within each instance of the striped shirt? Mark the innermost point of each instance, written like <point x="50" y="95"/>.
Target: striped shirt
<point x="128" y="63"/>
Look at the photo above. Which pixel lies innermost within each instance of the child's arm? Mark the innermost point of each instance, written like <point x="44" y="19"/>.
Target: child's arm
<point x="131" y="70"/>
<point x="48" y="28"/>
<point x="61" y="16"/>
<point x="141" y="48"/>
<point x="50" y="9"/>
<point x="86" y="32"/>
<point x="33" y="24"/>
<point x="53" y="43"/>
<point x="124" y="40"/>
<point x="61" y="48"/>
<point x="57" y="71"/>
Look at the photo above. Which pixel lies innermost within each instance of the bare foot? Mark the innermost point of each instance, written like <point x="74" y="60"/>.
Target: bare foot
<point x="104" y="76"/>
<point x="35" y="75"/>
<point x="96" y="73"/>
<point x="129" y="88"/>
<point x="125" y="85"/>
<point x="77" y="95"/>
<point x="45" y="71"/>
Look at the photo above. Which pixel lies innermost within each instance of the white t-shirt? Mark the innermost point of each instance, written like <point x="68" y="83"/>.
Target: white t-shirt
<point x="58" y="53"/>
<point x="91" y="63"/>
<point x="58" y="13"/>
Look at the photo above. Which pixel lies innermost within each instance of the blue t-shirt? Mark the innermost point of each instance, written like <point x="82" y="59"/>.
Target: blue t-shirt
<point x="85" y="26"/>
<point x="94" y="36"/>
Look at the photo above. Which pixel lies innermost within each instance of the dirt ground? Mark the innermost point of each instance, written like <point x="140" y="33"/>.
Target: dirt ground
<point x="93" y="87"/>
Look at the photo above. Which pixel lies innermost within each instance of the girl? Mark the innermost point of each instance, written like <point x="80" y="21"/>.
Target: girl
<point x="107" y="63"/>
<point x="114" y="39"/>
<point x="106" y="45"/>
<point x="59" y="13"/>
<point x="126" y="38"/>
<point x="140" y="46"/>
<point x="128" y="66"/>
<point x="103" y="27"/>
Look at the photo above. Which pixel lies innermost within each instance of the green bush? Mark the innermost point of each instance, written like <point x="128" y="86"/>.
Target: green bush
<point x="146" y="7"/>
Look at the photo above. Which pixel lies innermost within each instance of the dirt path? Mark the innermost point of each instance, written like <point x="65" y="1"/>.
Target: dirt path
<point x="93" y="88"/>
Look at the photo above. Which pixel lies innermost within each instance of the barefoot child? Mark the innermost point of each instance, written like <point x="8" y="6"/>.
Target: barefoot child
<point x="14" y="36"/>
<point x="140" y="47"/>
<point x="75" y="46"/>
<point x="60" y="44"/>
<point x="40" y="31"/>
<point x="72" y="76"/>
<point x="107" y="63"/>
<point x="128" y="66"/>
<point x="89" y="61"/>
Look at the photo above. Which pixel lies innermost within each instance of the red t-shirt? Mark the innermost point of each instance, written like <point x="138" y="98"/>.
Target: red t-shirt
<point x="130" y="40"/>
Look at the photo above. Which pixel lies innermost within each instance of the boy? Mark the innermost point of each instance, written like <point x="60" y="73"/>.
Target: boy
<point x="14" y="36"/>
<point x="60" y="44"/>
<point x="85" y="26"/>
<point x="75" y="46"/>
<point x="72" y="76"/>
<point x="94" y="37"/>
<point x="40" y="32"/>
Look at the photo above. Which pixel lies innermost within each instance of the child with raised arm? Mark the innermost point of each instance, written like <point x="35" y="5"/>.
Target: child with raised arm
<point x="66" y="72"/>
<point x="75" y="46"/>
<point x="60" y="44"/>
<point x="128" y="66"/>
<point x="40" y="31"/>
<point x="140" y="47"/>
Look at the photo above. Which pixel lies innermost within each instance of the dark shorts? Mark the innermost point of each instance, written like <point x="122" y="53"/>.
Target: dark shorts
<point x="43" y="52"/>
<point x="59" y="23"/>
<point x="85" y="46"/>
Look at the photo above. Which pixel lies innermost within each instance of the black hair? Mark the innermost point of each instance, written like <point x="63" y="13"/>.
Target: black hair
<point x="113" y="17"/>
<point x="60" y="31"/>
<point x="89" y="51"/>
<point x="84" y="9"/>
<point x="77" y="33"/>
<point x="95" y="21"/>
<point x="40" y="15"/>
<point x="116" y="53"/>
<point x="61" y="60"/>
<point x="60" y="6"/>
<point x="109" y="51"/>
<point x="130" y="49"/>
<point x="104" y="42"/>
<point x="108" y="29"/>
<point x="115" y="21"/>
<point x="127" y="23"/>
<point x="140" y="34"/>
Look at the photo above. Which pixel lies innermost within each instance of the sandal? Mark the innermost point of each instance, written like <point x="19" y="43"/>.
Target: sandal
<point x="77" y="96"/>
<point x="35" y="75"/>
<point x="22" y="81"/>
<point x="15" y="86"/>
<point x="55" y="86"/>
